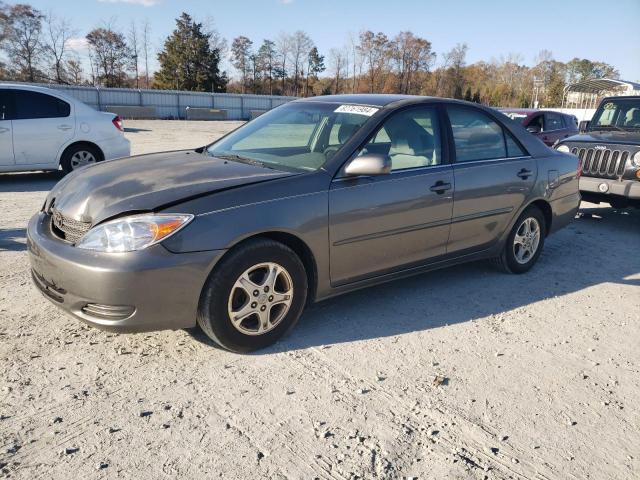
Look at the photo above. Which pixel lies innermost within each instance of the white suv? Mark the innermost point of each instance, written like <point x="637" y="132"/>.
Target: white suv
<point x="43" y="129"/>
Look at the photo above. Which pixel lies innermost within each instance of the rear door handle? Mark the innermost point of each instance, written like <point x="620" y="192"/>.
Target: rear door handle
<point x="64" y="127"/>
<point x="440" y="187"/>
<point x="524" y="173"/>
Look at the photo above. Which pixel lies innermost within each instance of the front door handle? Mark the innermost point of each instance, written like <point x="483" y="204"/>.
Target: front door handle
<point x="524" y="173"/>
<point x="3" y="129"/>
<point x="64" y="127"/>
<point x="440" y="187"/>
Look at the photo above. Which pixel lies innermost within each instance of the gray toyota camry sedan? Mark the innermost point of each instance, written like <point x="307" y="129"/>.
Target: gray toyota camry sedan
<point x="315" y="198"/>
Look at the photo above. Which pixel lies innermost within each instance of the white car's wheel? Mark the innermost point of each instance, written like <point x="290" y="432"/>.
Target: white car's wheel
<point x="78" y="156"/>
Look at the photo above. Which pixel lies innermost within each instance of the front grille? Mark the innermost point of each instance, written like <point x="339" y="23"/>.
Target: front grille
<point x="601" y="163"/>
<point x="67" y="228"/>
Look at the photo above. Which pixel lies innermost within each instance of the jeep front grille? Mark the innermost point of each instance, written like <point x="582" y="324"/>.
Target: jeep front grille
<point x="67" y="228"/>
<point x="601" y="163"/>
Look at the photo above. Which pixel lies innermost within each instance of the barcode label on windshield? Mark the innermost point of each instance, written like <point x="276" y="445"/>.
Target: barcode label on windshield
<point x="357" y="109"/>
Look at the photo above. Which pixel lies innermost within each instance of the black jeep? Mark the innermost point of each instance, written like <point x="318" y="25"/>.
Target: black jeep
<point x="609" y="151"/>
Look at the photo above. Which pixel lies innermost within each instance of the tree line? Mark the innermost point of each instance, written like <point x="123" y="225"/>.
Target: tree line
<point x="39" y="47"/>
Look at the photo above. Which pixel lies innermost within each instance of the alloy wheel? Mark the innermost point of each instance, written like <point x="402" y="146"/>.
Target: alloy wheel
<point x="526" y="240"/>
<point x="82" y="158"/>
<point x="260" y="298"/>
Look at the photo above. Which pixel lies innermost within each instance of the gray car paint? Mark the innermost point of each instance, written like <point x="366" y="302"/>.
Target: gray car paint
<point x="353" y="232"/>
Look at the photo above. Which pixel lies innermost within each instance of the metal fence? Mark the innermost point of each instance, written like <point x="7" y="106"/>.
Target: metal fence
<point x="172" y="104"/>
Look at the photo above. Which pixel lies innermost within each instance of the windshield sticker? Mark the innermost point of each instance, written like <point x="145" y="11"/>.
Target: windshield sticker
<point x="357" y="109"/>
<point x="514" y="116"/>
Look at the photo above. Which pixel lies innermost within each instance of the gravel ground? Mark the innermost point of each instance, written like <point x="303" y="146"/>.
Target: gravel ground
<point x="462" y="373"/>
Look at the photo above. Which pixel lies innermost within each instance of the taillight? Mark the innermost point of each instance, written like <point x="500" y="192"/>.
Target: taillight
<point x="117" y="122"/>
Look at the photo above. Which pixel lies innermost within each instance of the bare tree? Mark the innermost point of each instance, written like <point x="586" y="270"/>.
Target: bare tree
<point x="58" y="33"/>
<point x="24" y="40"/>
<point x="374" y="47"/>
<point x="110" y="54"/>
<point x="357" y="61"/>
<point x="4" y="22"/>
<point x="146" y="32"/>
<point x="283" y="48"/>
<point x="338" y="59"/>
<point x="134" y="48"/>
<point x="451" y="77"/>
<point x="216" y="41"/>
<point x="411" y="55"/>
<point x="74" y="71"/>
<point x="301" y="44"/>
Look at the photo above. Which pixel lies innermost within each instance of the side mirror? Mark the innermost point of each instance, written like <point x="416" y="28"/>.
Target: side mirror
<point x="584" y="126"/>
<point x="534" y="129"/>
<point x="368" y="164"/>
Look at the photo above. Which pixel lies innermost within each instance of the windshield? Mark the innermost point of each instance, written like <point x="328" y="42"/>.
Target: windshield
<point x="295" y="136"/>
<point x="618" y="114"/>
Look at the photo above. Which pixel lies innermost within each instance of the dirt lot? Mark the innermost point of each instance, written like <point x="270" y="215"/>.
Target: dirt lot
<point x="542" y="371"/>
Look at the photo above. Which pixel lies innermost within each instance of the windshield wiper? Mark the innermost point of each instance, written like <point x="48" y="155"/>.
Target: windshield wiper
<point x="239" y="158"/>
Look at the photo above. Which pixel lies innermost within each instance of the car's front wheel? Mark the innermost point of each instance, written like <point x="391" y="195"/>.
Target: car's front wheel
<point x="525" y="242"/>
<point x="254" y="296"/>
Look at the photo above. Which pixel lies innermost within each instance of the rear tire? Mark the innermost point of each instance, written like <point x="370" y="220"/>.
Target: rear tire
<point x="524" y="243"/>
<point x="79" y="155"/>
<point x="263" y="286"/>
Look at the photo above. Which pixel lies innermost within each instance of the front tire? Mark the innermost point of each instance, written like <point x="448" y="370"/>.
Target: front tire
<point x="253" y="297"/>
<point x="524" y="243"/>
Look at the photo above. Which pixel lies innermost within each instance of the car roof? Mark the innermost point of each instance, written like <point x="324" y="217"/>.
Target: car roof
<point x="518" y="110"/>
<point x="39" y="88"/>
<point x="26" y="86"/>
<point x="621" y="97"/>
<point x="375" y="100"/>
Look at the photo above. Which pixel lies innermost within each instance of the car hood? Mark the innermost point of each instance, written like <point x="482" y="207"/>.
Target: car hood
<point x="149" y="182"/>
<point x="606" y="136"/>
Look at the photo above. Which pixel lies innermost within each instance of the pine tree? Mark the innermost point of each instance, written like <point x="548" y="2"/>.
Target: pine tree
<point x="241" y="58"/>
<point x="188" y="62"/>
<point x="555" y="90"/>
<point x="266" y="61"/>
<point x="314" y="67"/>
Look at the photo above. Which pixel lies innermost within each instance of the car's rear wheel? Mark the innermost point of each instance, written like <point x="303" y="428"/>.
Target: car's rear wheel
<point x="254" y="296"/>
<point x="79" y="155"/>
<point x="525" y="242"/>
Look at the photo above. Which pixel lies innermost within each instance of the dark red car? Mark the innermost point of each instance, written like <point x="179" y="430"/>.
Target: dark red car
<point x="547" y="126"/>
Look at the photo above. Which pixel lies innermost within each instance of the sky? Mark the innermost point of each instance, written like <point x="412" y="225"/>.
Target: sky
<point x="604" y="31"/>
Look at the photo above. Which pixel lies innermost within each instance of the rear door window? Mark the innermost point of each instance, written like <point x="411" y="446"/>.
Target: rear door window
<point x="476" y="135"/>
<point x="31" y="105"/>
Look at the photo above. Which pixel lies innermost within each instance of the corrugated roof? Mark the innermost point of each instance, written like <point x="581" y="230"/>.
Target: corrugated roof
<point x="599" y="85"/>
